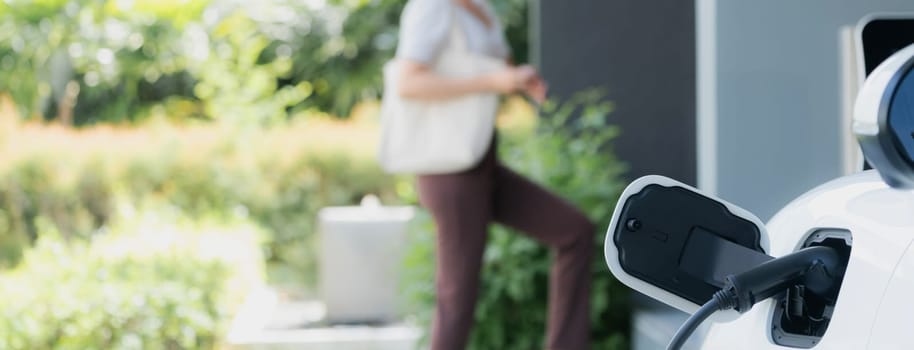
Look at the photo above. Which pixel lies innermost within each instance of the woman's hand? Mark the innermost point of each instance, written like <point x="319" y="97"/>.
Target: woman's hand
<point x="512" y="79"/>
<point x="536" y="89"/>
<point x="524" y="79"/>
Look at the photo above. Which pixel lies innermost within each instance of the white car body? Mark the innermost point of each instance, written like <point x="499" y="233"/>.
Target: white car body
<point x="875" y="309"/>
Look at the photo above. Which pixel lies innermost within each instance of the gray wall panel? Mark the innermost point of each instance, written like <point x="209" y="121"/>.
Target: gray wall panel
<point x="778" y="95"/>
<point x="643" y="54"/>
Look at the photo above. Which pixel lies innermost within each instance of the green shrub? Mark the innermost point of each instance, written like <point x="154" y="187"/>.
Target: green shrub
<point x="570" y="153"/>
<point x="37" y="188"/>
<point x="278" y="178"/>
<point x="145" y="286"/>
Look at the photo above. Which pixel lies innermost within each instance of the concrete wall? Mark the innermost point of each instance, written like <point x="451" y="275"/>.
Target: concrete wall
<point x="643" y="54"/>
<point x="769" y="92"/>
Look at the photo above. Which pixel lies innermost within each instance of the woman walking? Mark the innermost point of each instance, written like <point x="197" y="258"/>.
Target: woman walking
<point x="463" y="203"/>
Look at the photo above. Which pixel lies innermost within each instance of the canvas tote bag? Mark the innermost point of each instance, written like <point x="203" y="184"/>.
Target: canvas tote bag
<point x="425" y="136"/>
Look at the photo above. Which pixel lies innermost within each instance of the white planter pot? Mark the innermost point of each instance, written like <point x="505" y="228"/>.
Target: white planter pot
<point x="361" y="250"/>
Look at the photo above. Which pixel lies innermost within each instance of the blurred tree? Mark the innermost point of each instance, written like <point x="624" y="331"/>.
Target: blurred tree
<point x="87" y="61"/>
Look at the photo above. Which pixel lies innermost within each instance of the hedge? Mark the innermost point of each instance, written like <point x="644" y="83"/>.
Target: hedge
<point x="279" y="177"/>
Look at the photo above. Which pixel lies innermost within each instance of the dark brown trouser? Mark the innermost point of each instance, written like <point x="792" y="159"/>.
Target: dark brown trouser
<point x="462" y="205"/>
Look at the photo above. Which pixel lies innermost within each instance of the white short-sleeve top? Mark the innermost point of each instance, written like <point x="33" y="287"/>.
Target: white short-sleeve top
<point x="425" y="25"/>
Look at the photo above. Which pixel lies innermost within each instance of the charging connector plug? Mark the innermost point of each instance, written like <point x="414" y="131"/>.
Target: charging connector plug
<point x="815" y="268"/>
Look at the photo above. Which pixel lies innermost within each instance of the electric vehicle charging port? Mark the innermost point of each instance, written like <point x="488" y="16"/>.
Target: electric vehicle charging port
<point x="800" y="319"/>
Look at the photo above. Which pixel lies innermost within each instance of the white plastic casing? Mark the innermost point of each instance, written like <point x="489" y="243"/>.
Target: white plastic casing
<point x="877" y="91"/>
<point x="871" y="122"/>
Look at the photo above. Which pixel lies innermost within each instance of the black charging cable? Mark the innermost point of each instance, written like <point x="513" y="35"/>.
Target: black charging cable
<point x="814" y="268"/>
<point x="715" y="304"/>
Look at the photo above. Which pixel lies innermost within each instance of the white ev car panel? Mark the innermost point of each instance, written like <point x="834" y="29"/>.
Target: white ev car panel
<point x="874" y="309"/>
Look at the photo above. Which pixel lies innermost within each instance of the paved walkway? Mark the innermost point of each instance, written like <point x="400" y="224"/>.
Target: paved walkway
<point x="266" y="323"/>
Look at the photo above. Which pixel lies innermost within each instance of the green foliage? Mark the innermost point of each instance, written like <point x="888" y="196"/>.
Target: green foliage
<point x="87" y="61"/>
<point x="235" y="84"/>
<point x="570" y="153"/>
<point x="342" y="52"/>
<point x="514" y="15"/>
<point x="127" y="290"/>
<point x="36" y="190"/>
<point x="280" y="185"/>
